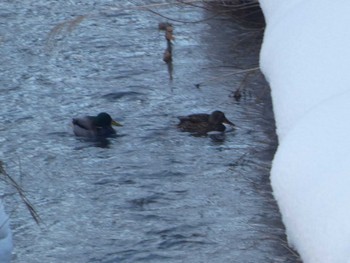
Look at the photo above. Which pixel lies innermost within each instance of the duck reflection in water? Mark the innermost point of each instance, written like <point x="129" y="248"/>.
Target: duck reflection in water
<point x="203" y="124"/>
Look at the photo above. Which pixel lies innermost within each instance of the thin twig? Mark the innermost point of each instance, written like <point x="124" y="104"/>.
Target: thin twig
<point x="227" y="75"/>
<point x="3" y="223"/>
<point x="68" y="25"/>
<point x="148" y="8"/>
<point x="242" y="84"/>
<point x="7" y="178"/>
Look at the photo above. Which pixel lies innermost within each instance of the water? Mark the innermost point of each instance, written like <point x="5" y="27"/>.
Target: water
<point x="152" y="194"/>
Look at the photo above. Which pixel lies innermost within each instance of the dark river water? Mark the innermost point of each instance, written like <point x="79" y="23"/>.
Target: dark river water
<point x="152" y="194"/>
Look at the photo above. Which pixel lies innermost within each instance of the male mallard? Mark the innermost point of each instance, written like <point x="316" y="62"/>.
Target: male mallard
<point x="94" y="126"/>
<point x="203" y="123"/>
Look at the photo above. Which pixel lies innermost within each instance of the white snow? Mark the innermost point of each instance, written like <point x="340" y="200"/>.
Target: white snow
<point x="305" y="58"/>
<point x="5" y="236"/>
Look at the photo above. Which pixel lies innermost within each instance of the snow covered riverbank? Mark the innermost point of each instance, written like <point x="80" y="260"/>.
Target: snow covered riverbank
<point x="304" y="57"/>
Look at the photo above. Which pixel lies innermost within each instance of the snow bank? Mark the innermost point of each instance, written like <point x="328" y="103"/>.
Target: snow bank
<point x="304" y="57"/>
<point x="5" y="237"/>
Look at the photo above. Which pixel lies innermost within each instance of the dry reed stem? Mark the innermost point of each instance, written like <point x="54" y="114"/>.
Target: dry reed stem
<point x="237" y="93"/>
<point x="227" y="75"/>
<point x="59" y="29"/>
<point x="5" y="221"/>
<point x="8" y="179"/>
<point x="69" y="25"/>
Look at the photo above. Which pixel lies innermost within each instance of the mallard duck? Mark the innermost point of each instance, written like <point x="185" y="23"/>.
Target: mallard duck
<point x="203" y="123"/>
<point x="94" y="126"/>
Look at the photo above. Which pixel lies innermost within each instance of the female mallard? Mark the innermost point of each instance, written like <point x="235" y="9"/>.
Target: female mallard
<point x="203" y="123"/>
<point x="94" y="126"/>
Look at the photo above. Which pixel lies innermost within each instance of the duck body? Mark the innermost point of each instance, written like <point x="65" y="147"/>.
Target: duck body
<point x="94" y="126"/>
<point x="203" y="123"/>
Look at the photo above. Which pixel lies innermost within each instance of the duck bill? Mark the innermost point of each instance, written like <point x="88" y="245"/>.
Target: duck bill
<point x="228" y="122"/>
<point x="116" y="123"/>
